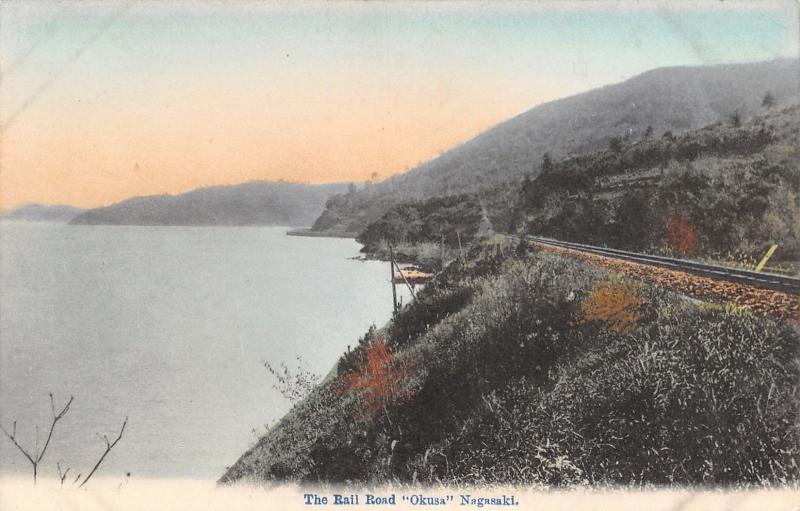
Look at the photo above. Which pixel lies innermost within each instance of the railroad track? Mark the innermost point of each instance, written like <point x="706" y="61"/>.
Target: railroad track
<point x="761" y="280"/>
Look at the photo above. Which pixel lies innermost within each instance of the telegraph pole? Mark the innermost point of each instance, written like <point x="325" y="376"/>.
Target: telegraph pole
<point x="394" y="290"/>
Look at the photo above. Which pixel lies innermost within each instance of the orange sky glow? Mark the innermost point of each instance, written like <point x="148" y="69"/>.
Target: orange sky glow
<point x="103" y="101"/>
<point x="198" y="137"/>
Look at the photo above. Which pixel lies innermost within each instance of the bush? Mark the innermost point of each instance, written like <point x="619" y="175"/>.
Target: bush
<point x="700" y="396"/>
<point x="694" y="396"/>
<point x="428" y="310"/>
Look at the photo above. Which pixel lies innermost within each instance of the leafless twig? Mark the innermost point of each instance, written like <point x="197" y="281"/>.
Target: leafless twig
<point x="61" y="475"/>
<point x="109" y="446"/>
<point x="35" y="458"/>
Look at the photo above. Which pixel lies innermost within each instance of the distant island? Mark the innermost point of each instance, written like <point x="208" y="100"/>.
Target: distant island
<point x="255" y="203"/>
<point x="42" y="213"/>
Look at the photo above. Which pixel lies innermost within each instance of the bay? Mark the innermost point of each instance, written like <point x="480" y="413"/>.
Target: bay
<point x="169" y="326"/>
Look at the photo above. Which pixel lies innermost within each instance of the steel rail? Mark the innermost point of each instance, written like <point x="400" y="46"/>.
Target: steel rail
<point x="763" y="280"/>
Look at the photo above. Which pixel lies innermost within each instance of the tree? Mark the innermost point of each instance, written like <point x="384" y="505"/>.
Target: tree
<point x="768" y="101"/>
<point x="35" y="458"/>
<point x="633" y="218"/>
<point x="547" y="163"/>
<point x="648" y="132"/>
<point x="615" y="144"/>
<point x="736" y="119"/>
<point x="628" y="135"/>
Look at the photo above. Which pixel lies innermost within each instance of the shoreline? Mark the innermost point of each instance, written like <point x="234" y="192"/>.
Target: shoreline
<point x="308" y="233"/>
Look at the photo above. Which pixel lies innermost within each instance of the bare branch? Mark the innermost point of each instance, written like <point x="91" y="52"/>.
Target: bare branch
<point x="56" y="418"/>
<point x="109" y="446"/>
<point x="34" y="458"/>
<point x="61" y="475"/>
<point x="13" y="438"/>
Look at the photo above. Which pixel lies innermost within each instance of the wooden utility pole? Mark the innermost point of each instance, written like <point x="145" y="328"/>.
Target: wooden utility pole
<point x="394" y="290"/>
<point x="410" y="287"/>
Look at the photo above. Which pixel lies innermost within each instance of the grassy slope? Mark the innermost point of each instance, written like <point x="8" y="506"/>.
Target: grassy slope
<point x="530" y="368"/>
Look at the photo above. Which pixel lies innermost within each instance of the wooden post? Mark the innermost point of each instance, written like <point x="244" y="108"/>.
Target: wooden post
<point x="763" y="262"/>
<point x="410" y="287"/>
<point x="394" y="290"/>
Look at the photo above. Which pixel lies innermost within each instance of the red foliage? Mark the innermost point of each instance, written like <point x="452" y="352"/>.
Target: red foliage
<point x="380" y="380"/>
<point x="682" y="236"/>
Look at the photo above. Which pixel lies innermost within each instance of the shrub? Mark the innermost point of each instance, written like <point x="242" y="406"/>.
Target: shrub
<point x="616" y="304"/>
<point x="382" y="380"/>
<point x="427" y="311"/>
<point x="681" y="236"/>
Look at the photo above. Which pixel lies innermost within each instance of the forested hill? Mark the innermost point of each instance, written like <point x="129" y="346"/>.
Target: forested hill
<point x="257" y="203"/>
<point x="673" y="99"/>
<point x="728" y="191"/>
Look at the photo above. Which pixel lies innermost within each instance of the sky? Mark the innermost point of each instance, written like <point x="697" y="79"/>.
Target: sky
<point x="102" y="101"/>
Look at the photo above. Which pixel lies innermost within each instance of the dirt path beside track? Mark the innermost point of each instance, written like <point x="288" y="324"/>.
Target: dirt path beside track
<point x="775" y="304"/>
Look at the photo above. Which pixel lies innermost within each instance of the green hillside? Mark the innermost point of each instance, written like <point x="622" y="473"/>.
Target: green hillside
<point x="726" y="191"/>
<point x="663" y="100"/>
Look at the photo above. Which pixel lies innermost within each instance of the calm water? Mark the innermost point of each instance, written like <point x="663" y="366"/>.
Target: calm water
<point x="169" y="326"/>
